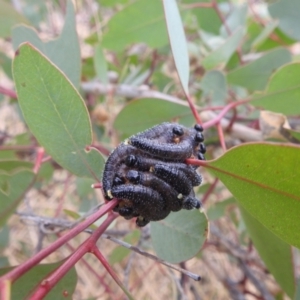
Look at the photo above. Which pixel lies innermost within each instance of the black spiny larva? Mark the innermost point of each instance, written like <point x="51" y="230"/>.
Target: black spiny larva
<point x="148" y="173"/>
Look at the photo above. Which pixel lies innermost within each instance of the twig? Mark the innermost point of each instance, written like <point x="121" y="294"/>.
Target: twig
<point x="31" y="262"/>
<point x="182" y="295"/>
<point x="238" y="131"/>
<point x="209" y="191"/>
<point x="38" y="160"/>
<point x="41" y="235"/>
<point x="153" y="257"/>
<point x="8" y="92"/>
<point x="47" y="223"/>
<point x="110" y="270"/>
<point x="221" y="137"/>
<point x="68" y="224"/>
<point x="234" y="249"/>
<point x="231" y="286"/>
<point x="88" y="246"/>
<point x="258" y="283"/>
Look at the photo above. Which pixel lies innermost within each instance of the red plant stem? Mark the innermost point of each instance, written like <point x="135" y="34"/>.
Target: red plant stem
<point x="223" y="113"/>
<point x="110" y="270"/>
<point x="209" y="191"/>
<point x="5" y="288"/>
<point x="212" y="108"/>
<point x="47" y="158"/>
<point x="8" y="92"/>
<point x="100" y="277"/>
<point x="105" y="264"/>
<point x="152" y="66"/>
<point x="232" y="120"/>
<point x="193" y="109"/>
<point x="62" y="197"/>
<point x="221" y="136"/>
<point x="214" y="5"/>
<point x="196" y="162"/>
<point x="101" y="148"/>
<point x="38" y="160"/>
<point x="97" y="185"/>
<point x="89" y="267"/>
<point x="31" y="262"/>
<point x="48" y="283"/>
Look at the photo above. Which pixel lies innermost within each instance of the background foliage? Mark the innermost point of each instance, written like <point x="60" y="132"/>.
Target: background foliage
<point x="77" y="80"/>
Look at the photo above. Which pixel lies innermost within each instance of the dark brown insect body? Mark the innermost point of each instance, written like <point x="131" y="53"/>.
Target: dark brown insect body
<point x="148" y="175"/>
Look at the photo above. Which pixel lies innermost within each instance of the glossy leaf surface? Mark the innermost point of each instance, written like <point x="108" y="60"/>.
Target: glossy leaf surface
<point x="276" y="254"/>
<point x="262" y="177"/>
<point x="283" y="91"/>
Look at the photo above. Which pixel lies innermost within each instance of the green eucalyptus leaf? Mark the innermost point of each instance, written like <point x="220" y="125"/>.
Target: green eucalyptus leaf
<point x="236" y="19"/>
<point x="8" y="18"/>
<point x="208" y="19"/>
<point x="13" y="186"/>
<point x="55" y="113"/>
<point x="219" y="209"/>
<point x="64" y="51"/>
<point x="4" y="237"/>
<point x="142" y="21"/>
<point x="263" y="178"/>
<point x="282" y="94"/>
<point x="23" y="286"/>
<point x="36" y="11"/>
<point x="276" y="254"/>
<point x="221" y="55"/>
<point x="214" y="86"/>
<point x="141" y="114"/>
<point x="255" y="75"/>
<point x="297" y="294"/>
<point x="264" y="34"/>
<point x="180" y="236"/>
<point x="178" y="42"/>
<point x="287" y="12"/>
<point x="11" y="166"/>
<point x="100" y="64"/>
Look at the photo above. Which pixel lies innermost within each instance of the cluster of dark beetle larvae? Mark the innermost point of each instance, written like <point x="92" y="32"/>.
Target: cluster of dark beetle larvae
<point x="148" y="173"/>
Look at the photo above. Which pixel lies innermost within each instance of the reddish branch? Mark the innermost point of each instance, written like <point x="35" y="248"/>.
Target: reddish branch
<point x="209" y="191"/>
<point x="224" y="111"/>
<point x="7" y="92"/>
<point x="30" y="263"/>
<point x="39" y="159"/>
<point x="88" y="246"/>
